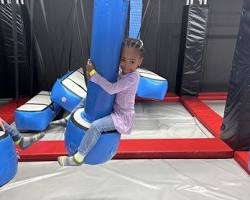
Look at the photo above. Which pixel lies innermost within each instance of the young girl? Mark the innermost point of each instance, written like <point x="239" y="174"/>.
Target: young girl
<point x="122" y="116"/>
<point x="22" y="142"/>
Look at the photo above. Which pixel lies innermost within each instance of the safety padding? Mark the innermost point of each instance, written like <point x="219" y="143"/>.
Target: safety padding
<point x="151" y="85"/>
<point x="37" y="113"/>
<point x="105" y="148"/>
<point x="69" y="90"/>
<point x="8" y="158"/>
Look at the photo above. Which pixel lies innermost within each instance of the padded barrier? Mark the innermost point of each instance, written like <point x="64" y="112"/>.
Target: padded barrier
<point x="151" y="85"/>
<point x="142" y="148"/>
<point x="8" y="158"/>
<point x="104" y="149"/>
<point x="146" y="148"/>
<point x="192" y="46"/>
<point x="37" y="113"/>
<point x="209" y="118"/>
<point x="69" y="90"/>
<point x="236" y="126"/>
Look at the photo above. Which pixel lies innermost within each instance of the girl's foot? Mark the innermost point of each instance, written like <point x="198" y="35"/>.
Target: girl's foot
<point x="25" y="142"/>
<point x="75" y="160"/>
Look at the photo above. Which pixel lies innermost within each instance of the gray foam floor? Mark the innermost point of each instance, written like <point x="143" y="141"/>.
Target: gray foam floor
<point x="217" y="105"/>
<point x="159" y="179"/>
<point x="155" y="120"/>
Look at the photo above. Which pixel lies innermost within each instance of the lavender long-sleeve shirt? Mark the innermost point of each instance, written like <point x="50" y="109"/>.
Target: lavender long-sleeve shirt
<point x="123" y="114"/>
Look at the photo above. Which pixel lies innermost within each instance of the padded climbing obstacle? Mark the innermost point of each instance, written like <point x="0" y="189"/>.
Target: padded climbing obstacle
<point x="103" y="151"/>
<point x="69" y="90"/>
<point x="151" y="85"/>
<point x="37" y="113"/>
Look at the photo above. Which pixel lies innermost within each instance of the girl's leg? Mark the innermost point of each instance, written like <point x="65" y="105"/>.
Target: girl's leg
<point x="63" y="121"/>
<point x="23" y="142"/>
<point x="89" y="140"/>
<point x="81" y="104"/>
<point x="13" y="132"/>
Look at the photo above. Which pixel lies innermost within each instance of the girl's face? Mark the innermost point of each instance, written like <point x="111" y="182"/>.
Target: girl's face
<point x="130" y="60"/>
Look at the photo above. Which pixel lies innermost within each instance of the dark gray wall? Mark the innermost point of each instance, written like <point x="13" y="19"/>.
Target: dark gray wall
<point x="60" y="42"/>
<point x="161" y="33"/>
<point x="161" y="30"/>
<point x="224" y="19"/>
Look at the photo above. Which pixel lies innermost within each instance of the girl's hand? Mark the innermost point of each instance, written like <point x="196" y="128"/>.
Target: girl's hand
<point x="89" y="66"/>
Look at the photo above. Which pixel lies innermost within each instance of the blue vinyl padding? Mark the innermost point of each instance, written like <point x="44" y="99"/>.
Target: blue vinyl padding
<point x="36" y="120"/>
<point x="152" y="89"/>
<point x="64" y="96"/>
<point x="8" y="159"/>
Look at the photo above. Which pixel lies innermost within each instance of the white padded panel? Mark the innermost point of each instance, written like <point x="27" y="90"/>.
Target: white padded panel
<point x="44" y="93"/>
<point x="2" y="133"/>
<point x="31" y="107"/>
<point x="77" y="117"/>
<point x="78" y="78"/>
<point x="80" y="70"/>
<point x="74" y="88"/>
<point x="37" y="103"/>
<point x="148" y="74"/>
<point x="40" y="99"/>
<point x="73" y="81"/>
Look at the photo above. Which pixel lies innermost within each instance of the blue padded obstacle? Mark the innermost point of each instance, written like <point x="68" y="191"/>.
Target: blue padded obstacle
<point x="105" y="148"/>
<point x="151" y="85"/>
<point x="37" y="113"/>
<point x="109" y="21"/>
<point x="8" y="158"/>
<point x="69" y="90"/>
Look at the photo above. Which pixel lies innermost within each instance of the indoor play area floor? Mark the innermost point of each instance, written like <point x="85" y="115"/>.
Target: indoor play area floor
<point x="182" y="179"/>
<point x="195" y="179"/>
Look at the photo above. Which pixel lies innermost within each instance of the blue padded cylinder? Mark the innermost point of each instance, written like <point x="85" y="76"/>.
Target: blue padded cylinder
<point x="8" y="159"/>
<point x="103" y="151"/>
<point x="109" y="22"/>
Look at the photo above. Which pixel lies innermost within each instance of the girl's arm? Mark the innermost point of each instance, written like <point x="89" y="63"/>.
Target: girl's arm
<point x="113" y="88"/>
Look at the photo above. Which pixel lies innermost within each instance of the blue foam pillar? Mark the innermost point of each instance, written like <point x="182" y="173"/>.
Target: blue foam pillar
<point x="109" y="22"/>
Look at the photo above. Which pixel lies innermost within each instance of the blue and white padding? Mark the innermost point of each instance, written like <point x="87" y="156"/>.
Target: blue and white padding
<point x="8" y="158"/>
<point x="37" y="113"/>
<point x="69" y="90"/>
<point x="151" y="85"/>
<point x="105" y="147"/>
